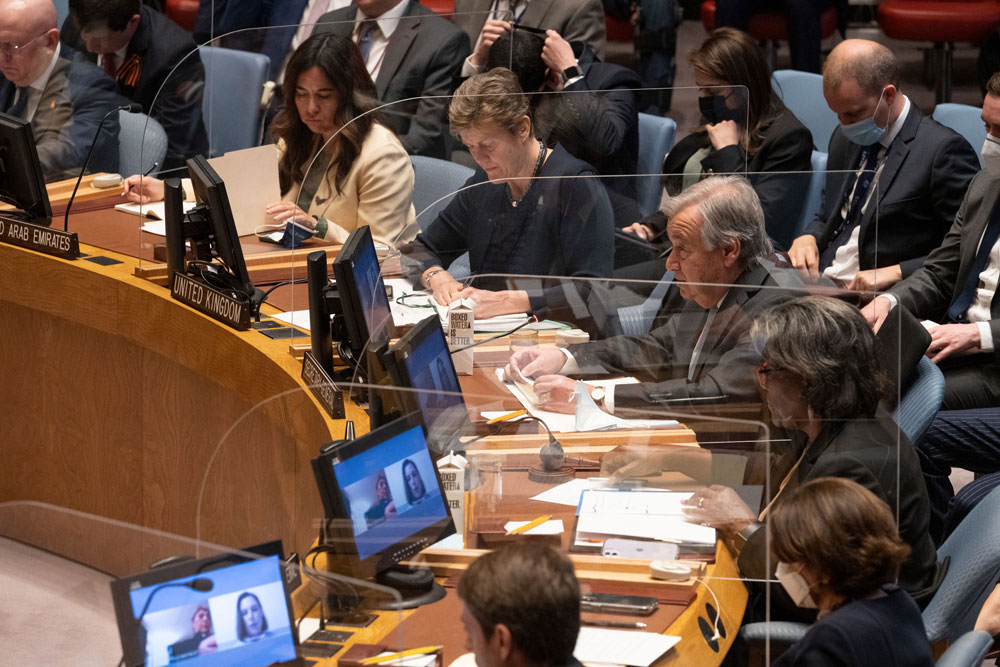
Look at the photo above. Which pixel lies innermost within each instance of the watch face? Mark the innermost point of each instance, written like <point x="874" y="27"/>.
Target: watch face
<point x="570" y="72"/>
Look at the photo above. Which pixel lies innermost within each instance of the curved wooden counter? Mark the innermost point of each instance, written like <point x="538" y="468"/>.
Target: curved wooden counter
<point x="118" y="401"/>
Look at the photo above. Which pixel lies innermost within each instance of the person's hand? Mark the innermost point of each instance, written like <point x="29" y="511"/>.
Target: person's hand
<point x="726" y="133"/>
<point x="804" y="255"/>
<point x="719" y="507"/>
<point x="207" y="645"/>
<point x="557" y="54"/>
<point x="491" y="304"/>
<point x="876" y="280"/>
<point x="644" y="232"/>
<point x="141" y="189"/>
<point x="989" y="616"/>
<point x="492" y="30"/>
<point x="530" y="362"/>
<point x="556" y="393"/>
<point x="286" y="211"/>
<point x="390" y="510"/>
<point x="876" y="312"/>
<point x="627" y="461"/>
<point x="444" y="287"/>
<point x="953" y="340"/>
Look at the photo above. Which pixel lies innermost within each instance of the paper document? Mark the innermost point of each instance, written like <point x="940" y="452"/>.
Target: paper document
<point x="569" y="492"/>
<point x="654" y="515"/>
<point x="153" y="211"/>
<point x="604" y="646"/>
<point x="251" y="178"/>
<point x="589" y="417"/>
<point x="550" y="527"/>
<point x="297" y="318"/>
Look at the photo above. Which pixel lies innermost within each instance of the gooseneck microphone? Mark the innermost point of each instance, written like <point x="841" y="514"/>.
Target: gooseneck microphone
<point x="201" y="584"/>
<point x="131" y="108"/>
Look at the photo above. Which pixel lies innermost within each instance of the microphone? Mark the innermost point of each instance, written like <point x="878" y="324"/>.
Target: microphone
<point x="539" y="315"/>
<point x="131" y="108"/>
<point x="201" y="584"/>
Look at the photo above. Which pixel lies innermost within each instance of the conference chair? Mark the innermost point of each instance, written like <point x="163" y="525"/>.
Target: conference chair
<point x="814" y="193"/>
<point x="656" y="138"/>
<point x="636" y="320"/>
<point x="969" y="651"/>
<point x="964" y="119"/>
<point x="802" y="93"/>
<point x="435" y="183"/>
<point x="921" y="400"/>
<point x="234" y="84"/>
<point x="142" y="142"/>
<point x="62" y="11"/>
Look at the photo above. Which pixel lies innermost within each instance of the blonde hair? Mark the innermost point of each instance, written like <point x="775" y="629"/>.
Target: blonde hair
<point x="494" y="97"/>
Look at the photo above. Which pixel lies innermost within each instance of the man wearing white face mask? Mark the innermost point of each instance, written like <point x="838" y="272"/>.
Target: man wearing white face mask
<point x="958" y="282"/>
<point x="896" y="177"/>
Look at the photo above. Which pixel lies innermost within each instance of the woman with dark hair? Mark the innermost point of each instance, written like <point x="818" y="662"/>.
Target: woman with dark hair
<point x="747" y="129"/>
<point x="839" y="552"/>
<point x="251" y="624"/>
<point x="338" y="167"/>
<point x="415" y="490"/>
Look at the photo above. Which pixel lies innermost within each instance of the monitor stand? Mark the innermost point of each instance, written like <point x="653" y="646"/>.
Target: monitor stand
<point x="415" y="584"/>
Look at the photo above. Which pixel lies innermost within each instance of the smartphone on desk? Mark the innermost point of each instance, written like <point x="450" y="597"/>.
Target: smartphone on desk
<point x="613" y="603"/>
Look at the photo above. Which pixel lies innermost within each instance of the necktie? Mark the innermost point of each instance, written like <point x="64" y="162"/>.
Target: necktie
<point x="110" y="63"/>
<point x="365" y="37"/>
<point x="957" y="311"/>
<point x="701" y="343"/>
<point x="869" y="163"/>
<point x="19" y="106"/>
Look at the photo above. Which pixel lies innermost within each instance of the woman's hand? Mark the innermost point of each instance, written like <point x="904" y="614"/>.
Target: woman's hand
<point x="644" y="232"/>
<point x="444" y="287"/>
<point x="286" y="211"/>
<point x="726" y="133"/>
<point x="492" y="30"/>
<point x="627" y="461"/>
<point x="719" y="507"/>
<point x="141" y="189"/>
<point x="491" y="304"/>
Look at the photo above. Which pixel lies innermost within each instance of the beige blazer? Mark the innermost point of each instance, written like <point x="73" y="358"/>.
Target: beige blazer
<point x="377" y="192"/>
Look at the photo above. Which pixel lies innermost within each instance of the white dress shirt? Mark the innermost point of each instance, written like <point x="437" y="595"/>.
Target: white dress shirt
<point x="387" y="24"/>
<point x="37" y="87"/>
<point x="846" y="261"/>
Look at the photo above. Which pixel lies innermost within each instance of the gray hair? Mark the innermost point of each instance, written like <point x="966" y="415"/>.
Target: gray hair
<point x="869" y="63"/>
<point x="730" y="209"/>
<point x="830" y="347"/>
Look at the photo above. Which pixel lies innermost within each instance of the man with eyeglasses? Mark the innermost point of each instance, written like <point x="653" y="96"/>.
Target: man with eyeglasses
<point x="49" y="86"/>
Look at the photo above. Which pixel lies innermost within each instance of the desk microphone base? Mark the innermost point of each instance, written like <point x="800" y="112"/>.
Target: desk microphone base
<point x="564" y="474"/>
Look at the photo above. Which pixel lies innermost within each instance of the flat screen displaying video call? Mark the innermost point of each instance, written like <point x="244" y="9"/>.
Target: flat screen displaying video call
<point x="391" y="491"/>
<point x="243" y="620"/>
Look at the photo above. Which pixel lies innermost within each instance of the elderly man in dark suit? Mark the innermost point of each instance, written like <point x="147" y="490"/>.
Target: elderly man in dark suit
<point x="721" y="269"/>
<point x="153" y="61"/>
<point x="896" y="177"/>
<point x="411" y="52"/>
<point x="63" y="97"/>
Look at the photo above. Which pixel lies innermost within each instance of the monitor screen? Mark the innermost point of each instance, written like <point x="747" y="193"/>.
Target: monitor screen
<point x="21" y="181"/>
<point x="362" y="291"/>
<point x="421" y="361"/>
<point x="244" y="619"/>
<point x="385" y="496"/>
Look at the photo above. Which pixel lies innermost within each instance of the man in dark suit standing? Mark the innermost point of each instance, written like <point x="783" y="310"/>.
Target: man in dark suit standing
<point x="896" y="177"/>
<point x="411" y="52"/>
<point x="139" y="48"/>
<point x="48" y="85"/>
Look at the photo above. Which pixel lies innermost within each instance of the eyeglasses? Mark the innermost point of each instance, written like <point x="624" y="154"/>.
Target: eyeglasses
<point x="763" y="370"/>
<point x="10" y="50"/>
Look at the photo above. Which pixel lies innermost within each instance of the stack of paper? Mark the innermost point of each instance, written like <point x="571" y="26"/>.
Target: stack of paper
<point x="647" y="514"/>
<point x="601" y="646"/>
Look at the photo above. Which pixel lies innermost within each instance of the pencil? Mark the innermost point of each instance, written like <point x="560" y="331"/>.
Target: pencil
<point x="379" y="659"/>
<point x="509" y="415"/>
<point x="531" y="524"/>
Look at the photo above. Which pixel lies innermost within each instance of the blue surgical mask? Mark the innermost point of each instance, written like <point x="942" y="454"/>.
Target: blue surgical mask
<point x="866" y="132"/>
<point x="290" y="236"/>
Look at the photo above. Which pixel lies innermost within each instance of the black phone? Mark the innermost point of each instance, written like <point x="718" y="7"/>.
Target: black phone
<point x="613" y="603"/>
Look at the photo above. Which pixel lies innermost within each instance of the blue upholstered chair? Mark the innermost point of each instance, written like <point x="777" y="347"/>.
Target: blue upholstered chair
<point x="969" y="651"/>
<point x="142" y="142"/>
<point x="434" y="185"/>
<point x="964" y="119"/>
<point x="636" y="320"/>
<point x="921" y="401"/>
<point x="234" y="84"/>
<point x="656" y="138"/>
<point x="814" y="194"/>
<point x="802" y="93"/>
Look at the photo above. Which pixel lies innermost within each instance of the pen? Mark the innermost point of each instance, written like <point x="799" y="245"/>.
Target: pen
<point x="379" y="659"/>
<point x="531" y="524"/>
<point x="624" y="625"/>
<point x="148" y="172"/>
<point x="509" y="415"/>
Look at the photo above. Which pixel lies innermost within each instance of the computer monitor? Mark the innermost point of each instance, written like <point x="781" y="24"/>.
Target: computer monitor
<point x="221" y="610"/>
<point x="22" y="184"/>
<point x="420" y="361"/>
<point x="383" y="500"/>
<point x="362" y="292"/>
<point x="211" y="230"/>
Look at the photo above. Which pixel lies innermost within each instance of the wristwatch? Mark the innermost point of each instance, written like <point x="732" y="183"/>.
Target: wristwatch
<point x="598" y="394"/>
<point x="570" y="73"/>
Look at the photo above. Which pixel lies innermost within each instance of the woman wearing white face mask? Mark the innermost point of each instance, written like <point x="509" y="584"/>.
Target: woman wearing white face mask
<point x="991" y="154"/>
<point x="839" y="551"/>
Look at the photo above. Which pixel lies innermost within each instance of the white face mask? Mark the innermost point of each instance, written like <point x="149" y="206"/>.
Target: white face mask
<point x="991" y="154"/>
<point x="795" y="585"/>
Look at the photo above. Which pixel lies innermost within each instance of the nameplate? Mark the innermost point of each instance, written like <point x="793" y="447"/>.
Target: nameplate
<point x="41" y="239"/>
<point x="322" y="387"/>
<point x="210" y="301"/>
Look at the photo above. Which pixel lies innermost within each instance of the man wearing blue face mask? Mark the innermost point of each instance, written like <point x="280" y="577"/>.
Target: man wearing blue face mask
<point x="896" y="177"/>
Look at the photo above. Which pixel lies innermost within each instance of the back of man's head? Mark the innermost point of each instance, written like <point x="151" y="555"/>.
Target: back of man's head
<point x="532" y="590"/>
<point x="111" y="14"/>
<point x="521" y="52"/>
<point x="869" y="63"/>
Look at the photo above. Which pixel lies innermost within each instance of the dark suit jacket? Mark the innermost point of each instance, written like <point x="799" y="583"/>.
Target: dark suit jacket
<point x="865" y="451"/>
<point x="159" y="45"/>
<point x="422" y="60"/>
<point x="76" y="98"/>
<point x="597" y="121"/>
<point x="930" y="291"/>
<point x="574" y="20"/>
<point x="727" y="363"/>
<point x="786" y="146"/>
<point x="926" y="173"/>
